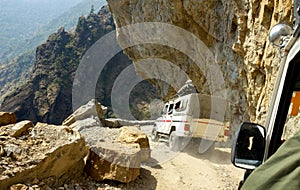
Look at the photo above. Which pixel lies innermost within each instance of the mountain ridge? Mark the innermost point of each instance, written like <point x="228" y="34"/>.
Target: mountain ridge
<point x="20" y="40"/>
<point x="47" y="96"/>
<point x="16" y="71"/>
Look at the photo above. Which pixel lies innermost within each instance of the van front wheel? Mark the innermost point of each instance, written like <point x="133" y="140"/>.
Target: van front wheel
<point x="154" y="135"/>
<point x="174" y="142"/>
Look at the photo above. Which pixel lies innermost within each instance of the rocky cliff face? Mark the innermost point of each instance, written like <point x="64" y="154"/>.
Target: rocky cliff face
<point x="15" y="71"/>
<point x="47" y="96"/>
<point x="234" y="32"/>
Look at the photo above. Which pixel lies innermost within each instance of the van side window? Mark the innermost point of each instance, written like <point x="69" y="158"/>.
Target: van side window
<point x="164" y="111"/>
<point x="184" y="105"/>
<point x="177" y="106"/>
<point x="170" y="111"/>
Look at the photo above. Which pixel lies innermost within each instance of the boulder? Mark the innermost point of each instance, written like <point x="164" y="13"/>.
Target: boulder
<point x="115" y="154"/>
<point x="113" y="161"/>
<point x="116" y="122"/>
<point x="92" y="109"/>
<point x="84" y="124"/>
<point x="21" y="128"/>
<point x="16" y="130"/>
<point x="49" y="154"/>
<point x="132" y="135"/>
<point x="7" y="118"/>
<point x="111" y="123"/>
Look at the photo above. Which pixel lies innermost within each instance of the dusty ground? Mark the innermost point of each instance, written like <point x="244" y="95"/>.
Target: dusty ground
<point x="189" y="169"/>
<point x="185" y="170"/>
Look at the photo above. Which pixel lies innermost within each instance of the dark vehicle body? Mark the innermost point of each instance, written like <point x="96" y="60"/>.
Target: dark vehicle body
<point x="283" y="106"/>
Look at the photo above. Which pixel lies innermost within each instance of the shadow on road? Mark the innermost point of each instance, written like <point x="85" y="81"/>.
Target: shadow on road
<point x="144" y="181"/>
<point x="153" y="163"/>
<point x="216" y="155"/>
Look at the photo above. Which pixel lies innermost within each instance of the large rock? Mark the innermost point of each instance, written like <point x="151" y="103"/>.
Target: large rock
<point x="131" y="135"/>
<point x="7" y="118"/>
<point x="17" y="130"/>
<point x="115" y="154"/>
<point x="114" y="161"/>
<point x="49" y="155"/>
<point x="111" y="123"/>
<point x="21" y="127"/>
<point x="79" y="125"/>
<point x="91" y="114"/>
<point x="92" y="109"/>
<point x="117" y="122"/>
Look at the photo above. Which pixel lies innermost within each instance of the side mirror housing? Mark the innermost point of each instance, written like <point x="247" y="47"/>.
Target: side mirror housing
<point x="248" y="146"/>
<point x="278" y="33"/>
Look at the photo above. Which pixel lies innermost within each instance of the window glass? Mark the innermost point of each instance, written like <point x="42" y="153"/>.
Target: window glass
<point x="177" y="106"/>
<point x="292" y="124"/>
<point x="171" y="109"/>
<point x="184" y="104"/>
<point x="165" y="109"/>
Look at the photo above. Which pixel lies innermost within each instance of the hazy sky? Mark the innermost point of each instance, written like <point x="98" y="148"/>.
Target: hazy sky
<point x="21" y="19"/>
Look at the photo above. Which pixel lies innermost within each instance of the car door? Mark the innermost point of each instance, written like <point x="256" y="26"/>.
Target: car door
<point x="287" y="111"/>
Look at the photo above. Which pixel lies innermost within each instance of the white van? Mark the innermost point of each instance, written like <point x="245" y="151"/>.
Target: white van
<point x="192" y="115"/>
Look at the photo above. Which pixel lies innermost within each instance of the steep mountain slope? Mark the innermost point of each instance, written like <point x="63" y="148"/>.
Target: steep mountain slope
<point x="16" y="71"/>
<point x="67" y="19"/>
<point x="47" y="97"/>
<point x="21" y="18"/>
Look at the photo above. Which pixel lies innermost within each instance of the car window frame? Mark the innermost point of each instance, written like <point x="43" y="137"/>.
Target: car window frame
<point x="293" y="71"/>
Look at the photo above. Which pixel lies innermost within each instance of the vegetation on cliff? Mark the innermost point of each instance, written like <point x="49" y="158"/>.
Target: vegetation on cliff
<point x="26" y="24"/>
<point x="47" y="96"/>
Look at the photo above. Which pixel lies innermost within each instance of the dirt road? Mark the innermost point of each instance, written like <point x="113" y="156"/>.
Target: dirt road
<point x="187" y="170"/>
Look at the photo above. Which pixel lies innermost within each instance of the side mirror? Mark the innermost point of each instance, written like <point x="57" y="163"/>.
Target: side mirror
<point x="248" y="146"/>
<point x="278" y="32"/>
